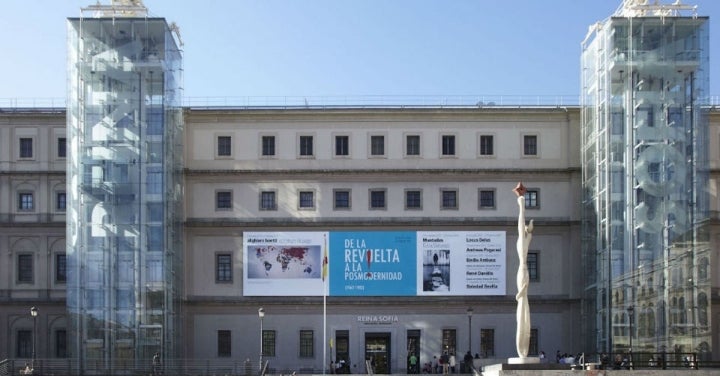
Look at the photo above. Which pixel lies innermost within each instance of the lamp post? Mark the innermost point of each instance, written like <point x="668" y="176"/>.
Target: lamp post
<point x="34" y="313"/>
<point x="261" y="314"/>
<point x="469" y="314"/>
<point x="631" y="316"/>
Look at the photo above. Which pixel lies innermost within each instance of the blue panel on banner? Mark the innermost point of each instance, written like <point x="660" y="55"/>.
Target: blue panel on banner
<point x="373" y="263"/>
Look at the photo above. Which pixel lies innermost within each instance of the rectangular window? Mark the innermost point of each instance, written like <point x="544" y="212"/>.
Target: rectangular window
<point x="223" y="268"/>
<point x="487" y="342"/>
<point x="224" y="343"/>
<point x="342" y="146"/>
<point x="23" y="347"/>
<point x="268" y="146"/>
<point x="530" y="145"/>
<point x="449" y="341"/>
<point x="61" y="343"/>
<point x="306" y="146"/>
<point x="306" y="200"/>
<point x="25" y="268"/>
<point x="486" y="198"/>
<point x="60" y="268"/>
<point x="60" y="201"/>
<point x="377" y="199"/>
<point x="533" y="267"/>
<point x="448" y="145"/>
<point x="224" y="146"/>
<point x="26" y="202"/>
<point x="533" y="348"/>
<point x="342" y="341"/>
<point x="26" y="147"/>
<point x="268" y="342"/>
<point x="154" y="182"/>
<point x="486" y="145"/>
<point x="449" y="199"/>
<point x="341" y="199"/>
<point x="412" y="145"/>
<point x="532" y="199"/>
<point x="62" y="147"/>
<point x="413" y="199"/>
<point x="267" y="200"/>
<point x="223" y="200"/>
<point x="377" y="145"/>
<point x="307" y="349"/>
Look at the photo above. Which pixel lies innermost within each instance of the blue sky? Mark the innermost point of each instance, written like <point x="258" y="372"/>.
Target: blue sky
<point x="236" y="48"/>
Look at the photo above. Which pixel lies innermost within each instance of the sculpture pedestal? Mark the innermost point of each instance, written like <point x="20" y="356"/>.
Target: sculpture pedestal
<point x="526" y="360"/>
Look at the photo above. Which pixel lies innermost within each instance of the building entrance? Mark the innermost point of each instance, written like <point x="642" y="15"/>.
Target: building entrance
<point x="377" y="352"/>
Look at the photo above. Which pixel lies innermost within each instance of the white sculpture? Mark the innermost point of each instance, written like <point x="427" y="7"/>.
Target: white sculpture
<point x="522" y="335"/>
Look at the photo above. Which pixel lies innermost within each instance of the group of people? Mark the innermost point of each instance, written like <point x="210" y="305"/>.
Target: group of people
<point x="446" y="364"/>
<point x="566" y="358"/>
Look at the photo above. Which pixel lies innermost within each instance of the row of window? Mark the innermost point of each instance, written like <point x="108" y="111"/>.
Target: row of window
<point x="377" y="145"/>
<point x="377" y="199"/>
<point x="26" y="147"/>
<point x="306" y="342"/>
<point x="26" y="270"/>
<point x="26" y="201"/>
<point x="224" y="267"/>
<point x="24" y="344"/>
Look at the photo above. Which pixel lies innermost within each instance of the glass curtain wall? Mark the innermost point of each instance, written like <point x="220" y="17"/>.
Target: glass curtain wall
<point x="645" y="178"/>
<point x="124" y="195"/>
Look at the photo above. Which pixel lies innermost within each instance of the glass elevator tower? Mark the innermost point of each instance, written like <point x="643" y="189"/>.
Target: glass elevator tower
<point x="124" y="215"/>
<point x="645" y="180"/>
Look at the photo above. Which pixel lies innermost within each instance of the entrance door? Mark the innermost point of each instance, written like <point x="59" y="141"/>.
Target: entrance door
<point x="377" y="351"/>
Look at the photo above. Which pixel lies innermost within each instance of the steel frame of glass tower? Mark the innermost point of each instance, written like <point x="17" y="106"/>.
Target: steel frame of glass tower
<point x="645" y="180"/>
<point x="124" y="207"/>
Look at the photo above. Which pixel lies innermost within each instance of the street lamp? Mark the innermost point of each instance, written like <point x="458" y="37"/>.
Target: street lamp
<point x="631" y="316"/>
<point x="34" y="313"/>
<point x="469" y="314"/>
<point x="261" y="314"/>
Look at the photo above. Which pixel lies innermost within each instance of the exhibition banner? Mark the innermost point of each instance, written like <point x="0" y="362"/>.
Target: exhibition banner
<point x="375" y="263"/>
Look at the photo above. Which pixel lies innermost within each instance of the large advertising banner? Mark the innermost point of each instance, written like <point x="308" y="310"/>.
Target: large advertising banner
<point x="283" y="263"/>
<point x="461" y="263"/>
<point x="373" y="263"/>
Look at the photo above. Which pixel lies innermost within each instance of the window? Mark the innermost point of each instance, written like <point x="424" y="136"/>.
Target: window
<point x="60" y="201"/>
<point x="62" y="147"/>
<point x="341" y="198"/>
<point x="25" y="268"/>
<point x="530" y="145"/>
<point x="487" y="342"/>
<point x="61" y="343"/>
<point x="25" y="201"/>
<point x="154" y="182"/>
<point x="342" y="146"/>
<point x="268" y="342"/>
<point x="306" y="200"/>
<point x="533" y="348"/>
<point x="413" y="199"/>
<point x="23" y="347"/>
<point x="267" y="200"/>
<point x="306" y="146"/>
<point x="486" y="199"/>
<point x="342" y="348"/>
<point x="449" y="341"/>
<point x="268" y="146"/>
<point x="60" y="268"/>
<point x="377" y="145"/>
<point x="306" y="344"/>
<point x="448" y="145"/>
<point x="224" y="146"/>
<point x="532" y="199"/>
<point x="223" y="268"/>
<point x="223" y="200"/>
<point x="412" y="145"/>
<point x="377" y="199"/>
<point x="26" y="147"/>
<point x="449" y="199"/>
<point x="486" y="145"/>
<point x="532" y="265"/>
<point x="224" y="343"/>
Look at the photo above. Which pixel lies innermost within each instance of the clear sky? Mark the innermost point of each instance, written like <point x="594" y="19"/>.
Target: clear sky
<point x="340" y="47"/>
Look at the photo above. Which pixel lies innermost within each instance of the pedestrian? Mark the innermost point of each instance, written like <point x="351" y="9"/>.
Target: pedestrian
<point x="156" y="364"/>
<point x="413" y="363"/>
<point x="452" y="362"/>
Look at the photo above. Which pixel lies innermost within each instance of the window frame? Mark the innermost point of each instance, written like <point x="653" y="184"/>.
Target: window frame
<point x="487" y="342"/>
<point x="409" y="191"/>
<point x="335" y="199"/>
<point x="60" y="268"/>
<point x="302" y="196"/>
<point x="303" y="152"/>
<point x="344" y="145"/>
<point x="533" y="266"/>
<point x="261" y="200"/>
<point x="223" y="270"/>
<point x="224" y="203"/>
<point x="532" y="199"/>
<point x="533" y="345"/>
<point x="23" y="205"/>
<point x="448" y="145"/>
<point x="482" y="147"/>
<point x="23" y="343"/>
<point x="443" y="205"/>
<point x="25" y="268"/>
<point x="372" y="152"/>
<point x="306" y="344"/>
<point x="24" y="148"/>
<point x="449" y="341"/>
<point x="224" y="343"/>
<point x="480" y="198"/>
<point x="61" y="147"/>
<point x="408" y="144"/>
<point x="530" y="150"/>
<point x="266" y="146"/>
<point x="371" y="199"/>
<point x="61" y="201"/>
<point x="220" y="149"/>
<point x="269" y="342"/>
